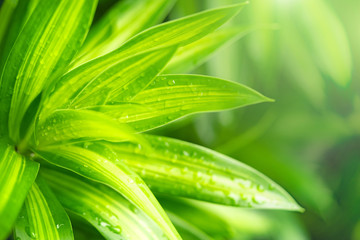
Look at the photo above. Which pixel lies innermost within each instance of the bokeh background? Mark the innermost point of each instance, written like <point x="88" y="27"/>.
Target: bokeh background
<point x="304" y="54"/>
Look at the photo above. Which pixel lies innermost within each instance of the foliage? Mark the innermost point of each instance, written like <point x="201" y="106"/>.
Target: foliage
<point x="75" y="99"/>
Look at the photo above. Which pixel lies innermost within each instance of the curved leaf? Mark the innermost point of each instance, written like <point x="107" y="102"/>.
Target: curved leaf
<point x="42" y="216"/>
<point x="41" y="52"/>
<point x="175" y="33"/>
<point x="170" y="97"/>
<point x="66" y="126"/>
<point x="123" y="20"/>
<point x="97" y="163"/>
<point x="117" y="83"/>
<point x="196" y="53"/>
<point x="112" y="215"/>
<point x="183" y="169"/>
<point x="16" y="176"/>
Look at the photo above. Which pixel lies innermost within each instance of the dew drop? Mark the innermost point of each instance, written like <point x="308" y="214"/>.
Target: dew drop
<point x="30" y="233"/>
<point x="260" y="188"/>
<point x="171" y="82"/>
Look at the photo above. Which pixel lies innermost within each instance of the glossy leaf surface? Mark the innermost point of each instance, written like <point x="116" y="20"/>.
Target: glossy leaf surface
<point x="112" y="215"/>
<point x="42" y="216"/>
<point x="196" y="53"/>
<point x="123" y="20"/>
<point x="40" y="53"/>
<point x="66" y="126"/>
<point x="118" y="83"/>
<point x="182" y="169"/>
<point x="170" y="97"/>
<point x="16" y="176"/>
<point x="96" y="162"/>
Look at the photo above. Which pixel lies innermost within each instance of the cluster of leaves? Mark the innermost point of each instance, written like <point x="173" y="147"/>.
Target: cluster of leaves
<point x="75" y="104"/>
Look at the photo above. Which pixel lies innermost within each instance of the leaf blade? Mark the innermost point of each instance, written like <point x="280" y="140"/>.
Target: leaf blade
<point x="41" y="52"/>
<point x="16" y="176"/>
<point x="99" y="164"/>
<point x="112" y="215"/>
<point x="42" y="216"/>
<point x="194" y="54"/>
<point x="118" y="82"/>
<point x="68" y="126"/>
<point x="170" y="97"/>
<point x="107" y="34"/>
<point x="187" y="170"/>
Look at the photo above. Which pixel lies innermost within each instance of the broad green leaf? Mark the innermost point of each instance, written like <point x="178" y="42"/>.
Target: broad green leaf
<point x="123" y="20"/>
<point x="182" y="169"/>
<point x="6" y="13"/>
<point x="16" y="176"/>
<point x="179" y="32"/>
<point x="15" y="13"/>
<point x="21" y="10"/>
<point x="329" y="40"/>
<point x="40" y="53"/>
<point x="175" y="33"/>
<point x="100" y="164"/>
<point x="196" y="53"/>
<point x="42" y="216"/>
<point x="112" y="215"/>
<point x="66" y="126"/>
<point x="119" y="83"/>
<point x="170" y="97"/>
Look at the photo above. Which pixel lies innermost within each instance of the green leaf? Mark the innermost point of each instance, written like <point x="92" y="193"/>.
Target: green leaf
<point x="6" y="13"/>
<point x="100" y="164"/>
<point x="15" y="14"/>
<point x="118" y="83"/>
<point x="182" y="169"/>
<point x="16" y="176"/>
<point x="21" y="10"/>
<point x="42" y="216"/>
<point x="170" y="97"/>
<point x="192" y="55"/>
<point x="40" y="53"/>
<point x="112" y="215"/>
<point x="66" y="126"/>
<point x="175" y="33"/>
<point x="119" y="24"/>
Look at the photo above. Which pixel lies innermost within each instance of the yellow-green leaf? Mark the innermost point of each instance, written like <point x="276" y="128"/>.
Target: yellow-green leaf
<point x="182" y="169"/>
<point x="46" y="44"/>
<point x="123" y="20"/>
<point x="100" y="164"/>
<point x="112" y="215"/>
<point x="16" y="176"/>
<point x="42" y="216"/>
<point x="170" y="97"/>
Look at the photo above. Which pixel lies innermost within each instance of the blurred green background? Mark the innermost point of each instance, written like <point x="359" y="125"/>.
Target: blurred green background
<point x="303" y="54"/>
